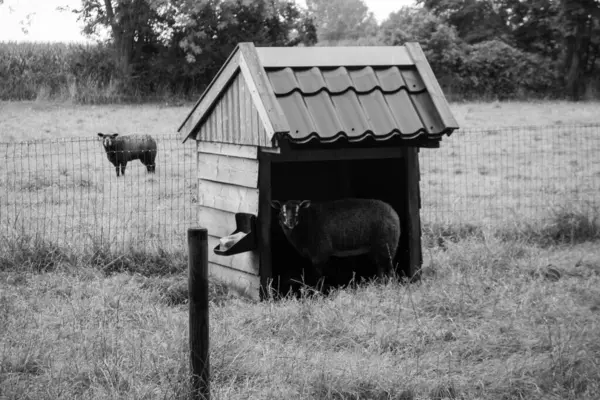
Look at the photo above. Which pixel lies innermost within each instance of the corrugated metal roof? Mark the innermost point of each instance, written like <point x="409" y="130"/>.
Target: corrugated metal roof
<point x="328" y="94"/>
<point x="354" y="103"/>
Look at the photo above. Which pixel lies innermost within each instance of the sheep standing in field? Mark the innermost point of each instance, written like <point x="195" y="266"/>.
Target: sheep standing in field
<point x="121" y="150"/>
<point x="341" y="228"/>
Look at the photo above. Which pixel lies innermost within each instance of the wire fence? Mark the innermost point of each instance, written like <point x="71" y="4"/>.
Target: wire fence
<point x="492" y="175"/>
<point x="66" y="191"/>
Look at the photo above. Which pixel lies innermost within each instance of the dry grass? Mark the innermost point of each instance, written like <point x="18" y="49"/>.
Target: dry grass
<point x="510" y="173"/>
<point x="31" y="120"/>
<point x="67" y="191"/>
<point x="491" y="319"/>
<point x="506" y="309"/>
<point x="480" y="173"/>
<point x="499" y="114"/>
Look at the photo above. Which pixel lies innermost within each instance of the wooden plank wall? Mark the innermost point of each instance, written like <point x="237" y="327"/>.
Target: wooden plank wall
<point x="235" y="119"/>
<point x="228" y="184"/>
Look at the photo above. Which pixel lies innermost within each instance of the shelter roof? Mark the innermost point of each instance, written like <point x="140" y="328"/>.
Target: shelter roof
<point x="330" y="94"/>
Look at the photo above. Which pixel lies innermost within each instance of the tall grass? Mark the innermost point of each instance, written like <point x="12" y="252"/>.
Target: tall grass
<point x="49" y="71"/>
<point x="31" y="69"/>
<point x="482" y="323"/>
<point x="82" y="73"/>
<point x="562" y="225"/>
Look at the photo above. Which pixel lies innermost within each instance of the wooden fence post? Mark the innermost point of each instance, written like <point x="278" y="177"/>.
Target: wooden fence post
<point x="198" y="306"/>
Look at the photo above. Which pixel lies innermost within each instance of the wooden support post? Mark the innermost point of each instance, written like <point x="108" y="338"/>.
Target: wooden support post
<point x="413" y="205"/>
<point x="198" y="306"/>
<point x="264" y="225"/>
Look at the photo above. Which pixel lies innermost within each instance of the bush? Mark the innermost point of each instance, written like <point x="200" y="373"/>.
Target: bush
<point x="494" y="69"/>
<point x="486" y="70"/>
<point x="564" y="225"/>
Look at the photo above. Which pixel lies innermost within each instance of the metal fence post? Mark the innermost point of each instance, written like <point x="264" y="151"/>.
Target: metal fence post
<point x="198" y="306"/>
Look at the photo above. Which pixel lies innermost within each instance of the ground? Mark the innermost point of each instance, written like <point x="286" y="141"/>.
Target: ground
<point x="503" y="311"/>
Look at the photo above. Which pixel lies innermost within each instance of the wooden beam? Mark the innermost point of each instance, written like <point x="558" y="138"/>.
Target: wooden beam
<point x="227" y="169"/>
<point x="431" y="83"/>
<point x="264" y="225"/>
<point x="292" y="155"/>
<point x="228" y="71"/>
<point x="266" y="103"/>
<point x="339" y="56"/>
<point x="272" y="150"/>
<point x="227" y="149"/>
<point x="413" y="199"/>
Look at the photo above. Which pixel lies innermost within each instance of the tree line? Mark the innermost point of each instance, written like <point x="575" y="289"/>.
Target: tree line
<point x="502" y="49"/>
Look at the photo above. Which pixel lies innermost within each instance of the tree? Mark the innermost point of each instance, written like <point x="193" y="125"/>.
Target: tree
<point x="441" y="44"/>
<point x="566" y="32"/>
<point x="158" y="36"/>
<point x="342" y="19"/>
<point x="131" y="24"/>
<point x="533" y="24"/>
<point x="475" y="20"/>
<point x="214" y="27"/>
<point x="580" y="26"/>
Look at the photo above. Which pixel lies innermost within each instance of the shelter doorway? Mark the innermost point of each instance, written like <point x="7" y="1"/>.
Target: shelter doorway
<point x="377" y="178"/>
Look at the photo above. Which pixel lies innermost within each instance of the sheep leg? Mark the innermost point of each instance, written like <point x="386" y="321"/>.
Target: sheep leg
<point x="383" y="260"/>
<point x="123" y="168"/>
<point x="319" y="270"/>
<point x="381" y="269"/>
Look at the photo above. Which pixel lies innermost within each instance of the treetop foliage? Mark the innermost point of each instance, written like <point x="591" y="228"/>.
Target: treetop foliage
<point x="489" y="48"/>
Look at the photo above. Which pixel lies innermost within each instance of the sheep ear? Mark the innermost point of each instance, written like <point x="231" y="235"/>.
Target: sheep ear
<point x="114" y="135"/>
<point x="101" y="134"/>
<point x="305" y="204"/>
<point x="276" y="205"/>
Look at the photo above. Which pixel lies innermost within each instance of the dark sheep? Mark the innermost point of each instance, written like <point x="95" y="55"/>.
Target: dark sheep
<point x="341" y="228"/>
<point x="123" y="149"/>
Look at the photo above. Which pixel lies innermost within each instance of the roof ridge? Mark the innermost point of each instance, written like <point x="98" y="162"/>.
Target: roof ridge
<point x="351" y="88"/>
<point x="332" y="56"/>
<point x="354" y="139"/>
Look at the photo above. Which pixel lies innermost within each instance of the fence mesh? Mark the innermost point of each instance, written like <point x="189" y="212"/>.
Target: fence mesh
<point x="486" y="176"/>
<point x="66" y="191"/>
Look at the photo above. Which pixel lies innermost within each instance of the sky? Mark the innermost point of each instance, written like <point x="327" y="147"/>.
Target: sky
<point x="47" y="24"/>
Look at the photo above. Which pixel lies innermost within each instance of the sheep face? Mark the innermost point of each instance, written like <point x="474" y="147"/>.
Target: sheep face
<point x="289" y="212"/>
<point x="108" y="140"/>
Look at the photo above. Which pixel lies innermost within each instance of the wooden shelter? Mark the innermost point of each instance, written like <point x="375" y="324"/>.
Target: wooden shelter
<point x="316" y="123"/>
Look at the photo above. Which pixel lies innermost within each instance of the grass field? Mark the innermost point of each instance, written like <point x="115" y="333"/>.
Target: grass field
<point x="43" y="120"/>
<point x="488" y="171"/>
<point x="67" y="191"/>
<point x="508" y="308"/>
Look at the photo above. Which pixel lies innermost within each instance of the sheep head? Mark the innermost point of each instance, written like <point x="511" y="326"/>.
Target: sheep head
<point x="289" y="212"/>
<point x="108" y="140"/>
